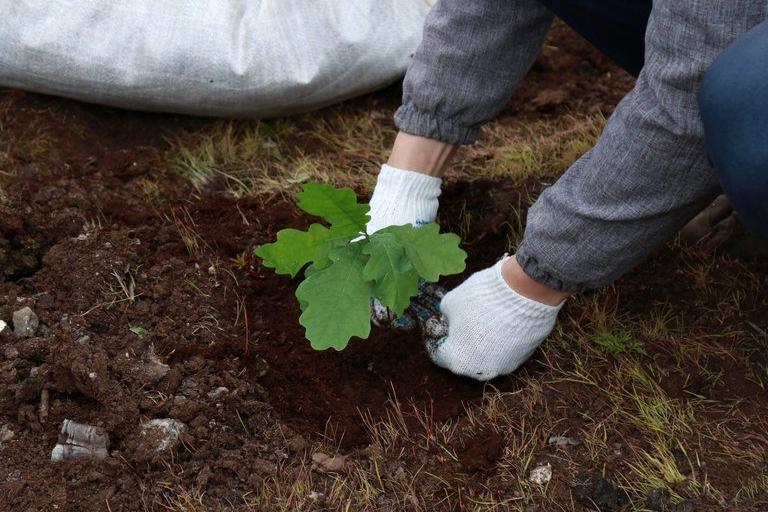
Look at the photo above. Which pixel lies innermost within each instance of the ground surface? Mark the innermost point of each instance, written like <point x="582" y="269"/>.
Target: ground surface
<point x="128" y="235"/>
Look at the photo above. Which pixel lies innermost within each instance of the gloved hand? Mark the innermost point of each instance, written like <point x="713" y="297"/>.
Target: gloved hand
<point x="483" y="328"/>
<point x="401" y="197"/>
<point x="424" y="306"/>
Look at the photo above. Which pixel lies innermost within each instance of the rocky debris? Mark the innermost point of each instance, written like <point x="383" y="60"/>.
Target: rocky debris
<point x="146" y="370"/>
<point x="6" y="434"/>
<point x="80" y="441"/>
<point x="564" y="441"/>
<point x="325" y="463"/>
<point x="3" y="325"/>
<point x="218" y="393"/>
<point x="660" y="500"/>
<point x="315" y="496"/>
<point x="163" y="434"/>
<point x="594" y="490"/>
<point x="541" y="474"/>
<point x="153" y="370"/>
<point x="25" y="322"/>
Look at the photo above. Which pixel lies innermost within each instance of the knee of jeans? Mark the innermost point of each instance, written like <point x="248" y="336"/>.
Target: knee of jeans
<point x="726" y="103"/>
<point x="720" y="99"/>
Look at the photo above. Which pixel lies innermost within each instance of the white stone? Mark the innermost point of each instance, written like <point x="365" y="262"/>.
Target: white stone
<point x="541" y="474"/>
<point x="6" y="434"/>
<point x="563" y="441"/>
<point x="25" y="322"/>
<point x="169" y="429"/>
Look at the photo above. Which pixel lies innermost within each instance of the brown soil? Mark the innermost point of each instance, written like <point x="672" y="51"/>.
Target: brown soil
<point x="75" y="223"/>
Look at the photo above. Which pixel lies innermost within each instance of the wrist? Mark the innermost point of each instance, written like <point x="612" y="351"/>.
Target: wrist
<point x="421" y="155"/>
<point x="524" y="285"/>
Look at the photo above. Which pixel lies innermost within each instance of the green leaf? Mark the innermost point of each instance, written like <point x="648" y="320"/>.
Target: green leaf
<point x="294" y="249"/>
<point x="431" y="253"/>
<point x="336" y="301"/>
<point x="139" y="331"/>
<point x="395" y="280"/>
<point x="338" y="206"/>
<point x="342" y="276"/>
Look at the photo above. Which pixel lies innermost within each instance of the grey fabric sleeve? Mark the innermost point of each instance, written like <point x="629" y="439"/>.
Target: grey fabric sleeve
<point x="471" y="58"/>
<point x="648" y="173"/>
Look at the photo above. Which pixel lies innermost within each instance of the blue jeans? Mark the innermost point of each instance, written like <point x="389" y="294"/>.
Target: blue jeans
<point x="615" y="28"/>
<point x="733" y="97"/>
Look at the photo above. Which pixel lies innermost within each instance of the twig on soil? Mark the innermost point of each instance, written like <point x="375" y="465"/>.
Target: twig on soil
<point x="245" y="219"/>
<point x="129" y="287"/>
<point x="242" y="423"/>
<point x="247" y="340"/>
<point x="232" y="275"/>
<point x="108" y="304"/>
<point x="44" y="404"/>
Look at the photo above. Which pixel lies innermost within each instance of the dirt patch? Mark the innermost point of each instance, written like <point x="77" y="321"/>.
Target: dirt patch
<point x="482" y="451"/>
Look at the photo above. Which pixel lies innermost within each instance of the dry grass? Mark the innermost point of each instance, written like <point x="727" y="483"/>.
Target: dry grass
<point x="347" y="147"/>
<point x="275" y="156"/>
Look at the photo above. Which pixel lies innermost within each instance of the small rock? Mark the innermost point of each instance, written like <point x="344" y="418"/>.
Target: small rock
<point x="218" y="392"/>
<point x="83" y="340"/>
<point x="316" y="496"/>
<point x="3" y="325"/>
<point x="151" y="370"/>
<point x="25" y="323"/>
<point x="163" y="433"/>
<point x="326" y="464"/>
<point x="79" y="441"/>
<point x="6" y="434"/>
<point x="563" y="441"/>
<point x="541" y="474"/>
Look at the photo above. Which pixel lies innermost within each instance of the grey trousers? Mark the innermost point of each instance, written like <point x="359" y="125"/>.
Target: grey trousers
<point x="647" y="175"/>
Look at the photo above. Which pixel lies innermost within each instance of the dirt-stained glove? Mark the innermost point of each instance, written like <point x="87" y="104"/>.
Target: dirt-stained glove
<point x="424" y="306"/>
<point x="483" y="328"/>
<point x="401" y="197"/>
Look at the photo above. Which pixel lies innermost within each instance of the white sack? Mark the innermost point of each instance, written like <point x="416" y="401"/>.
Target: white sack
<point x="249" y="58"/>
